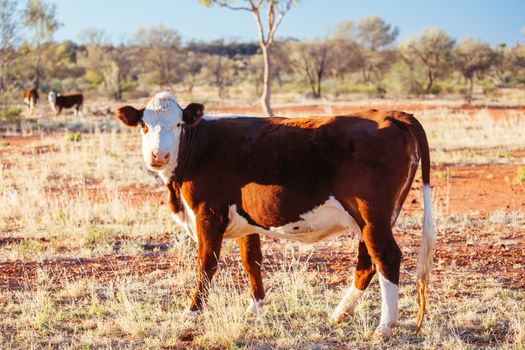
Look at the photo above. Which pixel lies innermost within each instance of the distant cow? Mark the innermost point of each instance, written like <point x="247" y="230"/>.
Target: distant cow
<point x="58" y="101"/>
<point x="300" y="179"/>
<point x="30" y="99"/>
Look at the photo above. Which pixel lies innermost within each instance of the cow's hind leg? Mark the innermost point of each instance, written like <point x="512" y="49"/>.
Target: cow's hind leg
<point x="364" y="272"/>
<point x="386" y="255"/>
<point x="251" y="256"/>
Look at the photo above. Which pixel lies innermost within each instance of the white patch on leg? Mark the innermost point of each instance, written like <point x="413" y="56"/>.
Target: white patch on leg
<point x="347" y="305"/>
<point x="255" y="307"/>
<point x="389" y="306"/>
<point x="186" y="219"/>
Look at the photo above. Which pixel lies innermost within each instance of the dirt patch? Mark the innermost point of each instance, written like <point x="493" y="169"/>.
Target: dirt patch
<point x="471" y="189"/>
<point x="20" y="141"/>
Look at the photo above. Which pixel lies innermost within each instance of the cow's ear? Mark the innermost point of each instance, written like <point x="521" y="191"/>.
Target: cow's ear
<point x="129" y="115"/>
<point x="192" y="113"/>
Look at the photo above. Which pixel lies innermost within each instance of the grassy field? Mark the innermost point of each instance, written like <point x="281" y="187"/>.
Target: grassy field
<point x="90" y="259"/>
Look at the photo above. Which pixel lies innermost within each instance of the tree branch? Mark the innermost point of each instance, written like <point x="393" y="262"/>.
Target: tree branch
<point x="272" y="29"/>
<point x="224" y="3"/>
<point x="260" y="28"/>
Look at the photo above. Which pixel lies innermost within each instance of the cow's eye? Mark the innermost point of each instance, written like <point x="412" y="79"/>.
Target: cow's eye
<point x="178" y="125"/>
<point x="144" y="127"/>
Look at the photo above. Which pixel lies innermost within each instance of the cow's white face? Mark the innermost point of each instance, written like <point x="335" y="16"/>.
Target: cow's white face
<point x="161" y="123"/>
<point x="161" y="128"/>
<point x="52" y="97"/>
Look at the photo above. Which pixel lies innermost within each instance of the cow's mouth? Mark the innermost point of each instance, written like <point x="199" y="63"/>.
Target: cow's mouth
<point x="157" y="166"/>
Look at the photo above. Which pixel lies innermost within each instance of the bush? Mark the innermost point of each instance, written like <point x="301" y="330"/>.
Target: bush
<point x="74" y="136"/>
<point x="403" y="80"/>
<point x="11" y="114"/>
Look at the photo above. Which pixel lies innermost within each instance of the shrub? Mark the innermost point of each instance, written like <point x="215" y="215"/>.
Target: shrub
<point x="403" y="80"/>
<point x="11" y="114"/>
<point x="74" y="136"/>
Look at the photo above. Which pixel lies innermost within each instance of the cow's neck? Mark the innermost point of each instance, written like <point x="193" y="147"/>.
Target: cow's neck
<point x="187" y="148"/>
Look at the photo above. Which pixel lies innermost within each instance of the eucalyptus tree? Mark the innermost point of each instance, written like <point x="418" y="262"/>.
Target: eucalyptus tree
<point x="268" y="15"/>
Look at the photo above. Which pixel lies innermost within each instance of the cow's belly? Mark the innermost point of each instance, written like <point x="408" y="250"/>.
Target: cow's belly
<point x="327" y="220"/>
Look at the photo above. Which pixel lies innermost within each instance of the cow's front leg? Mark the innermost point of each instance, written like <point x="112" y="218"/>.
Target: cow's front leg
<point x="251" y="256"/>
<point x="210" y="229"/>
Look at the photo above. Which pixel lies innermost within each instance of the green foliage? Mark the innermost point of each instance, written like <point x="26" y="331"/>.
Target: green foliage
<point x="403" y="79"/>
<point x="432" y="49"/>
<point x="74" y="136"/>
<point x="93" y="77"/>
<point x="11" y="114"/>
<point x="97" y="234"/>
<point x="520" y="175"/>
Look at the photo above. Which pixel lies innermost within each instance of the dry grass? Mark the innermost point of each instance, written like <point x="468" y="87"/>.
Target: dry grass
<point x="72" y="199"/>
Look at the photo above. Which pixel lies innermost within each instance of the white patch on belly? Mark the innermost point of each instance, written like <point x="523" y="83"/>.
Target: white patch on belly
<point x="327" y="220"/>
<point x="186" y="219"/>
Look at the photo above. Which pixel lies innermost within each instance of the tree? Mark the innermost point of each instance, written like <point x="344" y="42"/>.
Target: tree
<point x="40" y="19"/>
<point x="192" y="66"/>
<point x="160" y="48"/>
<point x="314" y="59"/>
<point x="370" y="38"/>
<point x="105" y="65"/>
<point x="8" y="40"/>
<point x="472" y="59"/>
<point x="221" y="72"/>
<point x="433" y="50"/>
<point x="348" y="57"/>
<point x="275" y="12"/>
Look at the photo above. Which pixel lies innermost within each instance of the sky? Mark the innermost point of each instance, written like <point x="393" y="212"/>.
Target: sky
<point x="492" y="21"/>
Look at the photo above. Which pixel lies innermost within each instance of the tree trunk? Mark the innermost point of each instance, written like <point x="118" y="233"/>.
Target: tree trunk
<point x="430" y="81"/>
<point x="267" y="81"/>
<point x="37" y="72"/>
<point x="470" y="89"/>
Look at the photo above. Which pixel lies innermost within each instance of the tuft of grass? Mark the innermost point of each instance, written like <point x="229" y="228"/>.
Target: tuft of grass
<point x="441" y="175"/>
<point x="520" y="175"/>
<point x="74" y="136"/>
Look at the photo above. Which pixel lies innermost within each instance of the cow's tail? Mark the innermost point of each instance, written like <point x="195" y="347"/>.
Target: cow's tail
<point x="428" y="239"/>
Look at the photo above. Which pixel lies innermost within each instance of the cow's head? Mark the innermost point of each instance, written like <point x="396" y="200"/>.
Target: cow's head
<point x="52" y="97"/>
<point x="160" y="122"/>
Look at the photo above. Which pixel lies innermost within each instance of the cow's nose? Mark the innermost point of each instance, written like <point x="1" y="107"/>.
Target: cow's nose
<point x="160" y="156"/>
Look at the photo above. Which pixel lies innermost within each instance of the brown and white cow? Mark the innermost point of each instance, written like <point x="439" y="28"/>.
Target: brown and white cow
<point x="30" y="99"/>
<point x="58" y="101"/>
<point x="300" y="179"/>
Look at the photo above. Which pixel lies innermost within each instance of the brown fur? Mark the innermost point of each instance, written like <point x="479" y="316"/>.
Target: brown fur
<point x="31" y="98"/>
<point x="276" y="169"/>
<point x="68" y="101"/>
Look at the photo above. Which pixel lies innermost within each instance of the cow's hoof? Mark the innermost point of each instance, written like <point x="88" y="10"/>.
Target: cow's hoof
<point x="190" y="314"/>
<point x="339" y="316"/>
<point x="383" y="331"/>
<point x="255" y="307"/>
